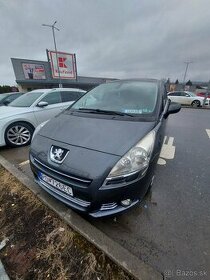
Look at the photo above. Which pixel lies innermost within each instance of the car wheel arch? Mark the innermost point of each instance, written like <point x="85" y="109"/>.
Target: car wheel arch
<point x="196" y="101"/>
<point x="21" y="121"/>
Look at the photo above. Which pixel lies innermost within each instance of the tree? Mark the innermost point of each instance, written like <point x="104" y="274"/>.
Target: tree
<point x="189" y="83"/>
<point x="4" y="89"/>
<point x="168" y="81"/>
<point x="177" y="82"/>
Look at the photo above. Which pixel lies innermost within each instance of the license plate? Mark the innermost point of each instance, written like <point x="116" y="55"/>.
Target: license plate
<point x="56" y="184"/>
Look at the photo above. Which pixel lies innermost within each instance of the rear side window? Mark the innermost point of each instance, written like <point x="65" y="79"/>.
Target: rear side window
<point x="70" y="95"/>
<point x="174" y="94"/>
<point x="52" y="98"/>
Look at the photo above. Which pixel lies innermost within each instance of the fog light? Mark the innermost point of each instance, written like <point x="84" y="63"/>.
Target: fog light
<point x="126" y="202"/>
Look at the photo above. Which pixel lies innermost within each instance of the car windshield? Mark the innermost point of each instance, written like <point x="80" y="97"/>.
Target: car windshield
<point x="27" y="99"/>
<point x="3" y="95"/>
<point x="128" y="97"/>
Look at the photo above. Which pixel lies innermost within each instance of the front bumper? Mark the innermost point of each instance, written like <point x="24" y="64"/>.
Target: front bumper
<point x="2" y="131"/>
<point x="99" y="202"/>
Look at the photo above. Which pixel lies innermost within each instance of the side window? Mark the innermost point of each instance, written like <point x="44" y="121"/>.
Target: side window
<point x="70" y="95"/>
<point x="174" y="94"/>
<point x="52" y="98"/>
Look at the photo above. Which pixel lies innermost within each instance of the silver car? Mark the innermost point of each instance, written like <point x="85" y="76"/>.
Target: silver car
<point x="23" y="115"/>
<point x="187" y="98"/>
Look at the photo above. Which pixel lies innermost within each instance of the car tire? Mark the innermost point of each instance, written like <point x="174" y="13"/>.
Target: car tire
<point x="196" y="103"/>
<point x="150" y="186"/>
<point x="18" y="134"/>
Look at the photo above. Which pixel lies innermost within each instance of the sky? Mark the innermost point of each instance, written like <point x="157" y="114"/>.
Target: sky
<point x="111" y="38"/>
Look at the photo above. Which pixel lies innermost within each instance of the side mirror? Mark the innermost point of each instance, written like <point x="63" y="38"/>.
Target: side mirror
<point x="173" y="108"/>
<point x="42" y="104"/>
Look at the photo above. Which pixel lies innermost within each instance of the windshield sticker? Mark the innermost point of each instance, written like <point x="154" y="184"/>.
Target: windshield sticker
<point x="147" y="111"/>
<point x="133" y="111"/>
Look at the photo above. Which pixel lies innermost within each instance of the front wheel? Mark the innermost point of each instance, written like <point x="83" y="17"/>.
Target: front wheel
<point x="18" y="134"/>
<point x="196" y="103"/>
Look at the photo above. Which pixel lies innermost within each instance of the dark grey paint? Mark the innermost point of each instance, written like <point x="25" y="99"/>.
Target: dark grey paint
<point x="105" y="135"/>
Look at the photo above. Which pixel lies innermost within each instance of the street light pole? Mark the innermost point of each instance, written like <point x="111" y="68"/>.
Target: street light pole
<point x="185" y="73"/>
<point x="56" y="53"/>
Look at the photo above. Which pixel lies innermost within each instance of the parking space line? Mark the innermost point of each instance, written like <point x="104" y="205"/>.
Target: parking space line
<point x="24" y="163"/>
<point x="208" y="132"/>
<point x="170" y="141"/>
<point x="167" y="151"/>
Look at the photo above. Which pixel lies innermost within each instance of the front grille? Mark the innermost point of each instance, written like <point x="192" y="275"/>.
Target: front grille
<point x="81" y="196"/>
<point x="69" y="198"/>
<point x="72" y="180"/>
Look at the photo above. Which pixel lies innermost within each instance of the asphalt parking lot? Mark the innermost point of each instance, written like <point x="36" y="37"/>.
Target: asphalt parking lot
<point x="170" y="230"/>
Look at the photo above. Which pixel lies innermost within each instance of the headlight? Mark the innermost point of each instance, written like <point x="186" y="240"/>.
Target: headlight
<point x="38" y="128"/>
<point x="136" y="159"/>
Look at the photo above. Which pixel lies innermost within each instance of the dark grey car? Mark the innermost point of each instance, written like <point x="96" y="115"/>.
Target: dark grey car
<point x="99" y="155"/>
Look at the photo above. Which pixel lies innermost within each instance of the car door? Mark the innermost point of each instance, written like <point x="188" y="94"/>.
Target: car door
<point x="174" y="97"/>
<point x="53" y="108"/>
<point x="185" y="98"/>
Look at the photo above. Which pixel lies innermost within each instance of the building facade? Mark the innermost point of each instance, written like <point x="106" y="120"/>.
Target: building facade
<point x="35" y="74"/>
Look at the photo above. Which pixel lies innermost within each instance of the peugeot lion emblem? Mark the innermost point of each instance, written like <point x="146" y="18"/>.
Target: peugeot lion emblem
<point x="58" y="154"/>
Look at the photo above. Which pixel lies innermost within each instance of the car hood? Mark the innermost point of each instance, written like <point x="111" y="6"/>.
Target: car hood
<point x="8" y="111"/>
<point x="110" y="136"/>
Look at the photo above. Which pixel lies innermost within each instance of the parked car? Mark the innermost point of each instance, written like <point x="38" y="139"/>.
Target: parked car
<point x="99" y="155"/>
<point x="203" y="94"/>
<point x="6" y="98"/>
<point x="23" y="115"/>
<point x="187" y="98"/>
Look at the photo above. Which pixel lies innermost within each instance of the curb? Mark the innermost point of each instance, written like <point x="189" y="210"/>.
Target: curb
<point x="3" y="274"/>
<point x="196" y="108"/>
<point x="121" y="256"/>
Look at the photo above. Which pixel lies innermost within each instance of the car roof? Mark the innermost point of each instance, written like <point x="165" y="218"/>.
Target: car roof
<point x="54" y="89"/>
<point x="180" y="91"/>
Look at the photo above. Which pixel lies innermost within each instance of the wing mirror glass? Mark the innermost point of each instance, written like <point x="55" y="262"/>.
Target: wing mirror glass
<point x="173" y="108"/>
<point x="42" y="104"/>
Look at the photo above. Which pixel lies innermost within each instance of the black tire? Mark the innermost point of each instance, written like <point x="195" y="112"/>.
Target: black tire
<point x="18" y="134"/>
<point x="150" y="186"/>
<point x="196" y="103"/>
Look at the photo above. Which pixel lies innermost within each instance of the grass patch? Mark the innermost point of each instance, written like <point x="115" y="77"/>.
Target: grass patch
<point x="41" y="245"/>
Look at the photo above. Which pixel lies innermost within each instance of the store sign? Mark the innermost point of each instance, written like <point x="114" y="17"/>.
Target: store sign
<point x="34" y="71"/>
<point x="66" y="64"/>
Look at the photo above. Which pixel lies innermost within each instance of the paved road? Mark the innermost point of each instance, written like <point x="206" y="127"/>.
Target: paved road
<point x="171" y="229"/>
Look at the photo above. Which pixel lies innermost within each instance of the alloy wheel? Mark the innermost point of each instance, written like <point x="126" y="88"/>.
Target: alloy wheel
<point x="18" y="135"/>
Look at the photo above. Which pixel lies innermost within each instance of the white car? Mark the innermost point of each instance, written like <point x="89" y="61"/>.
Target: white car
<point x="187" y="98"/>
<point x="19" y="120"/>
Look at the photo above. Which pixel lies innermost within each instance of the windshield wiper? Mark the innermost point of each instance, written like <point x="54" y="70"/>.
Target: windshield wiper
<point x="107" y="112"/>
